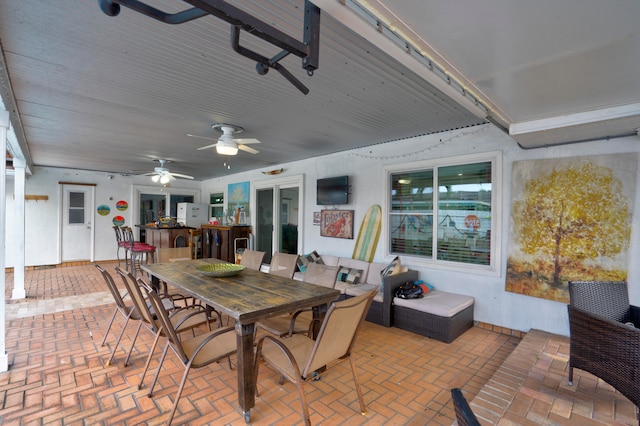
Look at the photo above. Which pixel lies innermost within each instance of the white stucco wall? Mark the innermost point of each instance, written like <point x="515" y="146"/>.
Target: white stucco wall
<point x="43" y="218"/>
<point x="365" y="168"/>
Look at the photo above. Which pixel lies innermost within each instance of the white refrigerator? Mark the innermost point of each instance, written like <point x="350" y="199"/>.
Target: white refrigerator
<point x="193" y="215"/>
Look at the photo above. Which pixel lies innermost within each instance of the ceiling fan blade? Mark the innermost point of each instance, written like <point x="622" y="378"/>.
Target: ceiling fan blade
<point x="181" y="176"/>
<point x="246" y="141"/>
<point x="247" y="149"/>
<point x="201" y="137"/>
<point x="208" y="146"/>
<point x="148" y="174"/>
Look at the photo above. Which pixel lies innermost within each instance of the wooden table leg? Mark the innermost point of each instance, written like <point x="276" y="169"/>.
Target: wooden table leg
<point x="246" y="390"/>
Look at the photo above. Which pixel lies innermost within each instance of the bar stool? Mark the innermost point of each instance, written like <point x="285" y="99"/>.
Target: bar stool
<point x="122" y="244"/>
<point x="137" y="251"/>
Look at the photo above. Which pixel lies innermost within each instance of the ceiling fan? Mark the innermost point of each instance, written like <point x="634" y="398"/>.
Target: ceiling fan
<point x="226" y="144"/>
<point x="163" y="175"/>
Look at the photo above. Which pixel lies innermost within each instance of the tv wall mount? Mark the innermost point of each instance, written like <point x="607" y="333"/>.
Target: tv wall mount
<point x="307" y="49"/>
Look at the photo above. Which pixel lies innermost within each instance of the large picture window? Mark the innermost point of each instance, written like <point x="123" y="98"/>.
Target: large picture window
<point x="443" y="212"/>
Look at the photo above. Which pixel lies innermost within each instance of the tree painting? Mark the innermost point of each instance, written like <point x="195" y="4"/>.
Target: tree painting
<point x="570" y="220"/>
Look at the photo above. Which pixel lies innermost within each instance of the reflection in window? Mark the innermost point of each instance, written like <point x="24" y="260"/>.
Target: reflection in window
<point x="459" y="229"/>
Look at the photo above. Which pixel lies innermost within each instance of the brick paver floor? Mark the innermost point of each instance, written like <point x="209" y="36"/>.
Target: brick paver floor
<point x="58" y="374"/>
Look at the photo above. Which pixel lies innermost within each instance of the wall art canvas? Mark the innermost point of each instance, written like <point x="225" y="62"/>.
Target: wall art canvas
<point x="336" y="223"/>
<point x="238" y="194"/>
<point x="570" y="221"/>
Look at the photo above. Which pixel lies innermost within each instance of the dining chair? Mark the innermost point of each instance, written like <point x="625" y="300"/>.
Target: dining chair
<point x="252" y="259"/>
<point x="182" y="318"/>
<point x="283" y="264"/>
<point x="298" y="358"/>
<point x="464" y="415"/>
<point x="299" y="321"/>
<point x="174" y="254"/>
<point x="128" y="312"/>
<point x="195" y="352"/>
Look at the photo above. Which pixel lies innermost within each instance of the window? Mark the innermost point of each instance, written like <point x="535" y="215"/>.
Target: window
<point x="450" y="225"/>
<point x="76" y="208"/>
<point x="216" y="201"/>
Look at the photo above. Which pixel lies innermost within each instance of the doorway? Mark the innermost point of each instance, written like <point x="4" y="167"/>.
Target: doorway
<point x="77" y="237"/>
<point x="278" y="216"/>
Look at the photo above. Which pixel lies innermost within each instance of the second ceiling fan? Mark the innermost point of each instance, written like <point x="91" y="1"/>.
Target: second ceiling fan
<point x="227" y="144"/>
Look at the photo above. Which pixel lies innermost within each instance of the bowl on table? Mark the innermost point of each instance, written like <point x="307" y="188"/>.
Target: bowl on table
<point x="220" y="269"/>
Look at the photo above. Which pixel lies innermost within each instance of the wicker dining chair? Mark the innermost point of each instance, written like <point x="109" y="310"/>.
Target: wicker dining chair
<point x="603" y="337"/>
<point x="298" y="358"/>
<point x="464" y="414"/>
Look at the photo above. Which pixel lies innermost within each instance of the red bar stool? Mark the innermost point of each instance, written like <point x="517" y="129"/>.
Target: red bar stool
<point x="138" y="252"/>
<point x="122" y="244"/>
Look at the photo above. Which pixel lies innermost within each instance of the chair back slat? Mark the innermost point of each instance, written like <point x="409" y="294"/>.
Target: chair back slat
<point x="609" y="299"/>
<point x="338" y="331"/>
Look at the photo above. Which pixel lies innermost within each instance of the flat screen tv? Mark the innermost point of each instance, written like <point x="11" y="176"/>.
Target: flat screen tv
<point x="334" y="190"/>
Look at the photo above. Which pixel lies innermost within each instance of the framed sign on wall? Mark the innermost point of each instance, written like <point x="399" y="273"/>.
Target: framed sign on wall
<point x="336" y="223"/>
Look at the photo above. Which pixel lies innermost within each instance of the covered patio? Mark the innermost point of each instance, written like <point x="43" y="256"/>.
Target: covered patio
<point x="58" y="375"/>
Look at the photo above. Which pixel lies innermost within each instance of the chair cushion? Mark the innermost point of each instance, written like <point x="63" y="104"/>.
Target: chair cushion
<point x="437" y="303"/>
<point x="357" y="290"/>
<point x="323" y="275"/>
<point x="374" y="276"/>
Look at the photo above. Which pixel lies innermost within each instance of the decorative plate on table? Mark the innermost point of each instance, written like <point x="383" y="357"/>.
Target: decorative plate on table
<point x="220" y="269"/>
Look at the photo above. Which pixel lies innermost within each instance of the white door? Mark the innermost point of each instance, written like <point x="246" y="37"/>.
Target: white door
<point x="77" y="223"/>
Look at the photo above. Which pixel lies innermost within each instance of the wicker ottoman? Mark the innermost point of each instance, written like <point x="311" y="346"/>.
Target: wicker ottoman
<point x="439" y="315"/>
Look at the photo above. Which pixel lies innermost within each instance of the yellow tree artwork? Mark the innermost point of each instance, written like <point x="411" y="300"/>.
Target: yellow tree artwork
<point x="570" y="220"/>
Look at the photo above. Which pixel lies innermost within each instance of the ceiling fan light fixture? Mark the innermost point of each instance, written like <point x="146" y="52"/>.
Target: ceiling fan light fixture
<point x="164" y="179"/>
<point x="155" y="178"/>
<point x="226" y="148"/>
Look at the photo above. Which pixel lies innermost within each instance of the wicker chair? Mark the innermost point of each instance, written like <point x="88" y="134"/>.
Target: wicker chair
<point x="464" y="415"/>
<point x="603" y="335"/>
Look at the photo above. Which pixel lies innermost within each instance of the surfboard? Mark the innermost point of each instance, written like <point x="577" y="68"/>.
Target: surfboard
<point x="368" y="235"/>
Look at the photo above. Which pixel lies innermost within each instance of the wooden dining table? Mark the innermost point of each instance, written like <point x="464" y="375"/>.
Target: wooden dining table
<point x="246" y="297"/>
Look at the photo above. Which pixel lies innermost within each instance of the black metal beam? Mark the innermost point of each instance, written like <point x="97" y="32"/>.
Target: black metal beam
<point x="308" y="49"/>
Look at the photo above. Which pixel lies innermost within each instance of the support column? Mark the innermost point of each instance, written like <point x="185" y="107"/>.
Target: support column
<point x="18" y="291"/>
<point x="4" y="126"/>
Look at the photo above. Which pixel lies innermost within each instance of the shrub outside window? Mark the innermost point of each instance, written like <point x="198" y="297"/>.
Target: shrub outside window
<point x="452" y="224"/>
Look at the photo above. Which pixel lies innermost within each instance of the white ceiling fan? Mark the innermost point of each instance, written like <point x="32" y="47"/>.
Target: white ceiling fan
<point x="226" y="144"/>
<point x="163" y="175"/>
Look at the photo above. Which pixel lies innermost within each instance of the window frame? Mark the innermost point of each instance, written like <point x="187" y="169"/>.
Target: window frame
<point x="495" y="158"/>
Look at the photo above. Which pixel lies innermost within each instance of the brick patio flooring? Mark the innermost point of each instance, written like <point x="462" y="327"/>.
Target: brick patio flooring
<point x="58" y="375"/>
